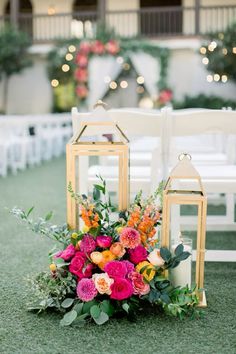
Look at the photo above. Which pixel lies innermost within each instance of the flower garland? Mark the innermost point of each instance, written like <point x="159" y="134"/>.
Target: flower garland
<point x="110" y="267"/>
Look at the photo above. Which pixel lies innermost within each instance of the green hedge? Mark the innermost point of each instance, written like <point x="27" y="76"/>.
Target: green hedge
<point x="203" y="101"/>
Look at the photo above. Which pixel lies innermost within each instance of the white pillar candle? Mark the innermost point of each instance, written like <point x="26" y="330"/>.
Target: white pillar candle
<point x="182" y="274"/>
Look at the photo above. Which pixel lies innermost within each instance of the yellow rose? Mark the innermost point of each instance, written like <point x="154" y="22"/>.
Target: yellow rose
<point x="85" y="229"/>
<point x="103" y="283"/>
<point x="149" y="272"/>
<point x="96" y="257"/>
<point x="53" y="267"/>
<point x="119" y="229"/>
<point x="74" y="235"/>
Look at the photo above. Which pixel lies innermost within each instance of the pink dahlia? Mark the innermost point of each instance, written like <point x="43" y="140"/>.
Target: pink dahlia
<point x="116" y="269"/>
<point x="87" y="244"/>
<point x="129" y="266"/>
<point x="138" y="254"/>
<point x="104" y="241"/>
<point x="67" y="254"/>
<point x="121" y="289"/>
<point x="77" y="263"/>
<point x="130" y="237"/>
<point x="86" y="290"/>
<point x="140" y="287"/>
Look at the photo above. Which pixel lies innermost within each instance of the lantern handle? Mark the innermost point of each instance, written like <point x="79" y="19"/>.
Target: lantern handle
<point x="183" y="155"/>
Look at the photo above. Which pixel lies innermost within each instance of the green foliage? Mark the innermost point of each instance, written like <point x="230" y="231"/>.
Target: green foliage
<point x="13" y="51"/>
<point x="222" y="59"/>
<point x="203" y="101"/>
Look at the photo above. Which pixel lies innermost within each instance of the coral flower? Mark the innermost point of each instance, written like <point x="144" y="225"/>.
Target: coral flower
<point x="130" y="237"/>
<point x="117" y="249"/>
<point x="86" y="290"/>
<point x="103" y="283"/>
<point x="121" y="289"/>
<point x="149" y="271"/>
<point x="107" y="257"/>
<point x="140" y="287"/>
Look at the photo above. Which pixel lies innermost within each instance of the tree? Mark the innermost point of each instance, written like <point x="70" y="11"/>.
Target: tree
<point x="219" y="54"/>
<point x="14" y="56"/>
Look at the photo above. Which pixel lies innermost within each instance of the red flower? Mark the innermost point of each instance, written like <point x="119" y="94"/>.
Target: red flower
<point x="81" y="91"/>
<point x="165" y="96"/>
<point x="85" y="47"/>
<point x="82" y="60"/>
<point x="81" y="75"/>
<point x="86" y="272"/>
<point x="138" y="254"/>
<point x="77" y="263"/>
<point x="121" y="289"/>
<point x="98" y="47"/>
<point x="112" y="47"/>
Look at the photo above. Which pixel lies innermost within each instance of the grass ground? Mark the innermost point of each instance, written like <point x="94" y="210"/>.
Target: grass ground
<point x="24" y="253"/>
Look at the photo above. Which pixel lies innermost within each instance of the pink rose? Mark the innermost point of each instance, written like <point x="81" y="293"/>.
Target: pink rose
<point x="85" y="47"/>
<point x="98" y="47"/>
<point x="165" y="96"/>
<point x="140" y="287"/>
<point x="138" y="254"/>
<point x="116" y="269"/>
<point x="86" y="272"/>
<point x="77" y="263"/>
<point x="81" y="75"/>
<point x="104" y="241"/>
<point x="67" y="254"/>
<point x="112" y="47"/>
<point x="82" y="60"/>
<point x="87" y="244"/>
<point x="121" y="289"/>
<point x="81" y="91"/>
<point x="129" y="266"/>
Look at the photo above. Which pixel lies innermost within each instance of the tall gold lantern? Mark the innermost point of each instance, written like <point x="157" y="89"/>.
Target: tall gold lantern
<point x="184" y="172"/>
<point x="78" y="146"/>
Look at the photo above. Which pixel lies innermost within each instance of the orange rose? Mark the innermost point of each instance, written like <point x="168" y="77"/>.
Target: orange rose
<point x="107" y="257"/>
<point x="117" y="249"/>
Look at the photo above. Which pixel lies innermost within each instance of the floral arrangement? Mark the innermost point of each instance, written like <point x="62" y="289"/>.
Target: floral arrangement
<point x="111" y="266"/>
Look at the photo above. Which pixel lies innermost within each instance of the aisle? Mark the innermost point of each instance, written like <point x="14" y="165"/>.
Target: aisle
<point x="24" y="253"/>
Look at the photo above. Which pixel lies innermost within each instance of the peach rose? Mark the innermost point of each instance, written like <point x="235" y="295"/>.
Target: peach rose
<point x="96" y="257"/>
<point x="117" y="249"/>
<point x="103" y="283"/>
<point x="155" y="258"/>
<point x="107" y="257"/>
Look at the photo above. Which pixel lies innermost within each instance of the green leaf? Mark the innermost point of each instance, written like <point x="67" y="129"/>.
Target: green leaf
<point x="165" y="298"/>
<point x="107" y="307"/>
<point x="179" y="249"/>
<point x="48" y="216"/>
<point x="67" y="303"/>
<point x="165" y="254"/>
<point x="95" y="311"/>
<point x="88" y="305"/>
<point x="99" y="187"/>
<point x="78" y="308"/>
<point x="96" y="194"/>
<point x="183" y="256"/>
<point x="125" y="307"/>
<point x="29" y="211"/>
<point x="103" y="317"/>
<point x="68" y="318"/>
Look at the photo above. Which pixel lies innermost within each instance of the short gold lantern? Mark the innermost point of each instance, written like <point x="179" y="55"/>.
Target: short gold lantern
<point x="78" y="146"/>
<point x="174" y="194"/>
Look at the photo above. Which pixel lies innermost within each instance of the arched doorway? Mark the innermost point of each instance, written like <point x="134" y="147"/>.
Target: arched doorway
<point x="24" y="15"/>
<point x="160" y="17"/>
<point x="84" y="18"/>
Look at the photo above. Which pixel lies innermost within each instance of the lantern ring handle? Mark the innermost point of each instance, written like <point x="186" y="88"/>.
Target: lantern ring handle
<point x="183" y="155"/>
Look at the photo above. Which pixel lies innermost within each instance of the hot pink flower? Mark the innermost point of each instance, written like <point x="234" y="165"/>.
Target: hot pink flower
<point x="81" y="91"/>
<point x="129" y="266"/>
<point x="86" y="290"/>
<point x="98" y="47"/>
<point x="140" y="287"/>
<point x="87" y="244"/>
<point x="86" y="272"/>
<point x="67" y="254"/>
<point x="104" y="241"/>
<point x="116" y="269"/>
<point x="130" y="237"/>
<point x="77" y="263"/>
<point x="138" y="254"/>
<point x="85" y="47"/>
<point x="165" y="96"/>
<point x="121" y="289"/>
<point x="112" y="47"/>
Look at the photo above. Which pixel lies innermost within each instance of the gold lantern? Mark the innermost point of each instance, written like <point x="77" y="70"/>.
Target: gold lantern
<point x="78" y="147"/>
<point x="185" y="174"/>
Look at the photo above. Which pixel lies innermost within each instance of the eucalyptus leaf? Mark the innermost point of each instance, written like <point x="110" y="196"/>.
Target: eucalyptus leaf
<point x="165" y="254"/>
<point x="126" y="307"/>
<point x="103" y="317"/>
<point x="95" y="311"/>
<point x="68" y="318"/>
<point x="179" y="249"/>
<point x="67" y="303"/>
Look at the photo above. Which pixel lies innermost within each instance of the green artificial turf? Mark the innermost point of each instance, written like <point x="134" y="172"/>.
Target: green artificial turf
<point x="24" y="253"/>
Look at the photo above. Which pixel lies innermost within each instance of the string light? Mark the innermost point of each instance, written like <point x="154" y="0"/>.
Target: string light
<point x="209" y="78"/>
<point x="113" y="85"/>
<point x="126" y="66"/>
<point x="140" y="80"/>
<point x="221" y="36"/>
<point x="54" y="83"/>
<point x="224" y="78"/>
<point x="51" y="10"/>
<point x="212" y="46"/>
<point x="65" y="68"/>
<point x="202" y="50"/>
<point x="216" y="77"/>
<point x="224" y="51"/>
<point x="72" y="48"/>
<point x="234" y="50"/>
<point x="120" y="60"/>
<point x="69" y="56"/>
<point x="107" y="79"/>
<point x="123" y="84"/>
<point x="205" y="60"/>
